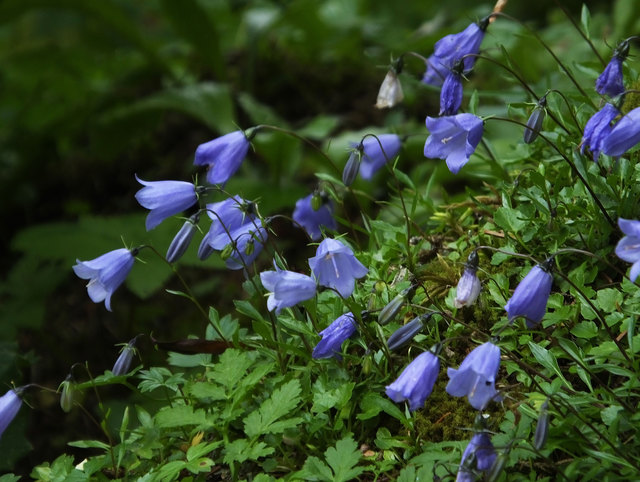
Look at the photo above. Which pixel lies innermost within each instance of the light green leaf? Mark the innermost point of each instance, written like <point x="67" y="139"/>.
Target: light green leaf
<point x="281" y="402"/>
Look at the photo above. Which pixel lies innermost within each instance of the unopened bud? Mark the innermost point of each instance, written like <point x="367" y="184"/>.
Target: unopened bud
<point x="352" y="167"/>
<point x="123" y="363"/>
<point x="205" y="250"/>
<point x="405" y="334"/>
<point x="534" y="124"/>
<point x="249" y="247"/>
<point x="67" y="394"/>
<point x="226" y="252"/>
<point x="542" y="428"/>
<point x="390" y="311"/>
<point x="316" y="201"/>
<point x="181" y="242"/>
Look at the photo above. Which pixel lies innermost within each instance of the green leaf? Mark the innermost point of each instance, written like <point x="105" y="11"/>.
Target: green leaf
<point x="281" y="402"/>
<point x="240" y="451"/>
<point x="585" y="20"/>
<point x="343" y="460"/>
<point x="548" y="360"/>
<point x="89" y="444"/>
<point x="315" y="469"/>
<point x="201" y="449"/>
<point x="231" y="367"/>
<point x="180" y="416"/>
<point x="372" y="404"/>
<point x="508" y="219"/>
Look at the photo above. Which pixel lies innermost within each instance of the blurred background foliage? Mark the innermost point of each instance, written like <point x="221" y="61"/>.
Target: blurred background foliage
<point x="93" y="92"/>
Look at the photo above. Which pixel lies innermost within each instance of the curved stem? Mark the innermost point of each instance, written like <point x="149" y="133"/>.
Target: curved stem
<point x="584" y="36"/>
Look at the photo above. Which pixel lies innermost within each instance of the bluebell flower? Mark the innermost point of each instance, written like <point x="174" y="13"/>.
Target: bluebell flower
<point x="335" y="266"/>
<point x="333" y="336"/>
<point x="416" y="381"/>
<point x="312" y="219"/>
<point x="106" y="273"/>
<point x="451" y="48"/>
<point x="374" y="156"/>
<point x="181" y="241"/>
<point x="530" y="297"/>
<point x="624" y="135"/>
<point x="10" y="404"/>
<point x="610" y="81"/>
<point x="226" y="216"/>
<point x="476" y="376"/>
<point x="223" y="156"/>
<point x="287" y="288"/>
<point x="469" y="285"/>
<point x="165" y="198"/>
<point x="247" y="242"/>
<point x="479" y="454"/>
<point x="453" y="138"/>
<point x="451" y="92"/>
<point x="123" y="363"/>
<point x="628" y="248"/>
<point x="598" y="129"/>
<point x="405" y="333"/>
<point x="534" y="124"/>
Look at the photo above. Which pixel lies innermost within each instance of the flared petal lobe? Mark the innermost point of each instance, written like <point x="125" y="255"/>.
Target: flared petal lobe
<point x="287" y="288"/>
<point x="628" y="248"/>
<point x="453" y="138"/>
<point x="313" y="220"/>
<point x="476" y="376"/>
<point x="335" y="266"/>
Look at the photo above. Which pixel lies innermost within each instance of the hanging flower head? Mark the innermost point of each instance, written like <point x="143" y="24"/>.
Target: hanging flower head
<point x="165" y="198"/>
<point x="333" y="336"/>
<point x="530" y="297"/>
<point x="335" y="266"/>
<point x="479" y="455"/>
<point x="469" y="285"/>
<point x="624" y="135"/>
<point x="222" y="156"/>
<point x="598" y="129"/>
<point x="610" y="81"/>
<point x="476" y="376"/>
<point x="287" y="288"/>
<point x="106" y="273"/>
<point x="451" y="93"/>
<point x="390" y="93"/>
<point x="453" y="138"/>
<point x="10" y="404"/>
<point x="416" y="381"/>
<point x="377" y="151"/>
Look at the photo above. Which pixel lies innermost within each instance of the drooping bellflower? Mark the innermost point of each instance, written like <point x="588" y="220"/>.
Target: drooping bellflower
<point x="333" y="336"/>
<point x="624" y="135"/>
<point x="469" y="286"/>
<point x="530" y="297"/>
<point x="479" y="455"/>
<point x="416" y="381"/>
<point x="226" y="216"/>
<point x="628" y="248"/>
<point x="312" y="220"/>
<point x="335" y="266"/>
<point x="476" y="376"/>
<point x="106" y="273"/>
<point x="377" y="151"/>
<point x="598" y="129"/>
<point x="222" y="156"/>
<point x="165" y="198"/>
<point x="10" y="404"/>
<point x="453" y="138"/>
<point x="181" y="241"/>
<point x="390" y="93"/>
<point x="246" y="244"/>
<point x="610" y="81"/>
<point x="451" y="92"/>
<point x="453" y="47"/>
<point x="287" y="288"/>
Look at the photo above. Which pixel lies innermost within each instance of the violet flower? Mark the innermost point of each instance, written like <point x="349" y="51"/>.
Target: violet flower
<point x="610" y="81"/>
<point x="530" y="297"/>
<point x="416" y="381"/>
<point x="222" y="156"/>
<point x="335" y="266"/>
<point x="106" y="273"/>
<point x="182" y="239"/>
<point x="165" y="198"/>
<point x="628" y="248"/>
<point x="624" y="135"/>
<point x="453" y="138"/>
<point x="312" y="220"/>
<point x="333" y="336"/>
<point x="247" y="242"/>
<point x="10" y="404"/>
<point x="479" y="453"/>
<point x="375" y="157"/>
<point x="476" y="376"/>
<point x="598" y="129"/>
<point x="287" y="288"/>
<point x="226" y="216"/>
<point x="534" y="124"/>
<point x="453" y="47"/>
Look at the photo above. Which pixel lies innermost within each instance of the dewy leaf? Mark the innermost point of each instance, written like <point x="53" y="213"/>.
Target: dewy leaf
<point x="281" y="403"/>
<point x="343" y="460"/>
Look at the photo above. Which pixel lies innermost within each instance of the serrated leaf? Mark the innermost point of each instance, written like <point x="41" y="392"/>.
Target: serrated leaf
<point x="315" y="469"/>
<point x="180" y="416"/>
<point x="282" y="402"/>
<point x="231" y="367"/>
<point x="240" y="451"/>
<point x="343" y="460"/>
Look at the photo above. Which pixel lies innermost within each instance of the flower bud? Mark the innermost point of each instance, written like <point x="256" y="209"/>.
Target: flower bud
<point x="390" y="93"/>
<point x="404" y="334"/>
<point x="123" y="363"/>
<point x="534" y="124"/>
<point x="352" y="167"/>
<point x="390" y="311"/>
<point x="469" y="285"/>
<point x="316" y="201"/>
<point x="181" y="242"/>
<point x="205" y="249"/>
<point x="497" y="467"/>
<point x="249" y="248"/>
<point x="542" y="427"/>
<point x="226" y="252"/>
<point x="68" y="393"/>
